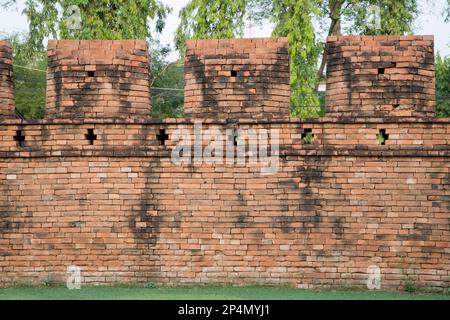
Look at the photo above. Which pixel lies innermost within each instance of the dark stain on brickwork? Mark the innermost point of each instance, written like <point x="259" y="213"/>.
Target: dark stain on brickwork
<point x="145" y="225"/>
<point x="242" y="218"/>
<point x="177" y="220"/>
<point x="14" y="217"/>
<point x="288" y="184"/>
<point x="400" y="93"/>
<point x="306" y="215"/>
<point x="338" y="227"/>
<point x="144" y="222"/>
<point x="243" y="76"/>
<point x="109" y="84"/>
<point x="421" y="231"/>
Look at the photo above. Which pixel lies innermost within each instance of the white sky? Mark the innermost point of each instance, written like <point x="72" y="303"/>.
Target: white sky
<point x="430" y="21"/>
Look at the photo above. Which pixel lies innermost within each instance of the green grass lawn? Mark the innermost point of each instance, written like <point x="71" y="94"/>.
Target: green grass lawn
<point x="205" y="293"/>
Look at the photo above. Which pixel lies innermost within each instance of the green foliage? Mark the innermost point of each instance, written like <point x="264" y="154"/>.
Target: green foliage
<point x="396" y="16"/>
<point x="443" y="85"/>
<point x="166" y="103"/>
<point x="409" y="285"/>
<point x="308" y="138"/>
<point x="381" y="139"/>
<point x="100" y="19"/>
<point x="206" y="19"/>
<point x="150" y="285"/>
<point x="294" y="19"/>
<point x="29" y="77"/>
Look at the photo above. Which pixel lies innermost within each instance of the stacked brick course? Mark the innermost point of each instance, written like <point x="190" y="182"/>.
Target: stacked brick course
<point x="7" y="105"/>
<point x="105" y="195"/>
<point x="380" y="75"/>
<point x="98" y="79"/>
<point x="237" y="78"/>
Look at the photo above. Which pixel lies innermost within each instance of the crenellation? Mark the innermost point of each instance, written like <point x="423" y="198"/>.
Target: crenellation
<point x="380" y="76"/>
<point x="237" y="78"/>
<point x="98" y="79"/>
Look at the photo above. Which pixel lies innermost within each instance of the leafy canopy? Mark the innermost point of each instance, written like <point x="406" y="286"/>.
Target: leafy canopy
<point x="294" y="19"/>
<point x="100" y="19"/>
<point x="205" y="19"/>
<point x="29" y="76"/>
<point x="443" y="85"/>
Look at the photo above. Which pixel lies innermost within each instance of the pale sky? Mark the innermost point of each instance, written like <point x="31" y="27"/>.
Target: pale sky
<point x="430" y="21"/>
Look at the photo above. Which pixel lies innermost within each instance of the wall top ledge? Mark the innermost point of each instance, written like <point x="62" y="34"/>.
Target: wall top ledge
<point x="379" y="37"/>
<point x="169" y="121"/>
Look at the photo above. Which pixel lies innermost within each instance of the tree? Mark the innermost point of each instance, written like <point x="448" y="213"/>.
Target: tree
<point x="396" y="17"/>
<point x="294" y="20"/>
<point x="443" y="85"/>
<point x="29" y="76"/>
<point x="205" y="19"/>
<point x="305" y="23"/>
<point x="167" y="81"/>
<point x="99" y="19"/>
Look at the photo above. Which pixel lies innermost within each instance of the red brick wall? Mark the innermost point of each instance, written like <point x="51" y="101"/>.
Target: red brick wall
<point x="380" y="76"/>
<point x="98" y="79"/>
<point x="237" y="78"/>
<point x="7" y="105"/>
<point x="103" y="194"/>
<point x="123" y="212"/>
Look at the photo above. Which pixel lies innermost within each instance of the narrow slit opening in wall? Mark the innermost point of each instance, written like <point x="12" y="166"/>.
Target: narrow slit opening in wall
<point x="90" y="136"/>
<point x="234" y="73"/>
<point x="380" y="70"/>
<point x="162" y="137"/>
<point x="91" y="74"/>
<point x="19" y="138"/>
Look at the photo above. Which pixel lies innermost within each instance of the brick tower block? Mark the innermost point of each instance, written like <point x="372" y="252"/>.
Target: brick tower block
<point x="98" y="79"/>
<point x="237" y="78"/>
<point x="380" y="76"/>
<point x="7" y="105"/>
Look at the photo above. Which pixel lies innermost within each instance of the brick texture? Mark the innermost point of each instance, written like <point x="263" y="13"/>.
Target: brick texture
<point x="380" y="75"/>
<point x="7" y="104"/>
<point x="237" y="78"/>
<point x="98" y="79"/>
<point x="105" y="195"/>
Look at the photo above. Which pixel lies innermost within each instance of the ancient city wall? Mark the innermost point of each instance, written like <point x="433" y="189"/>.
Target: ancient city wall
<point x="104" y="194"/>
